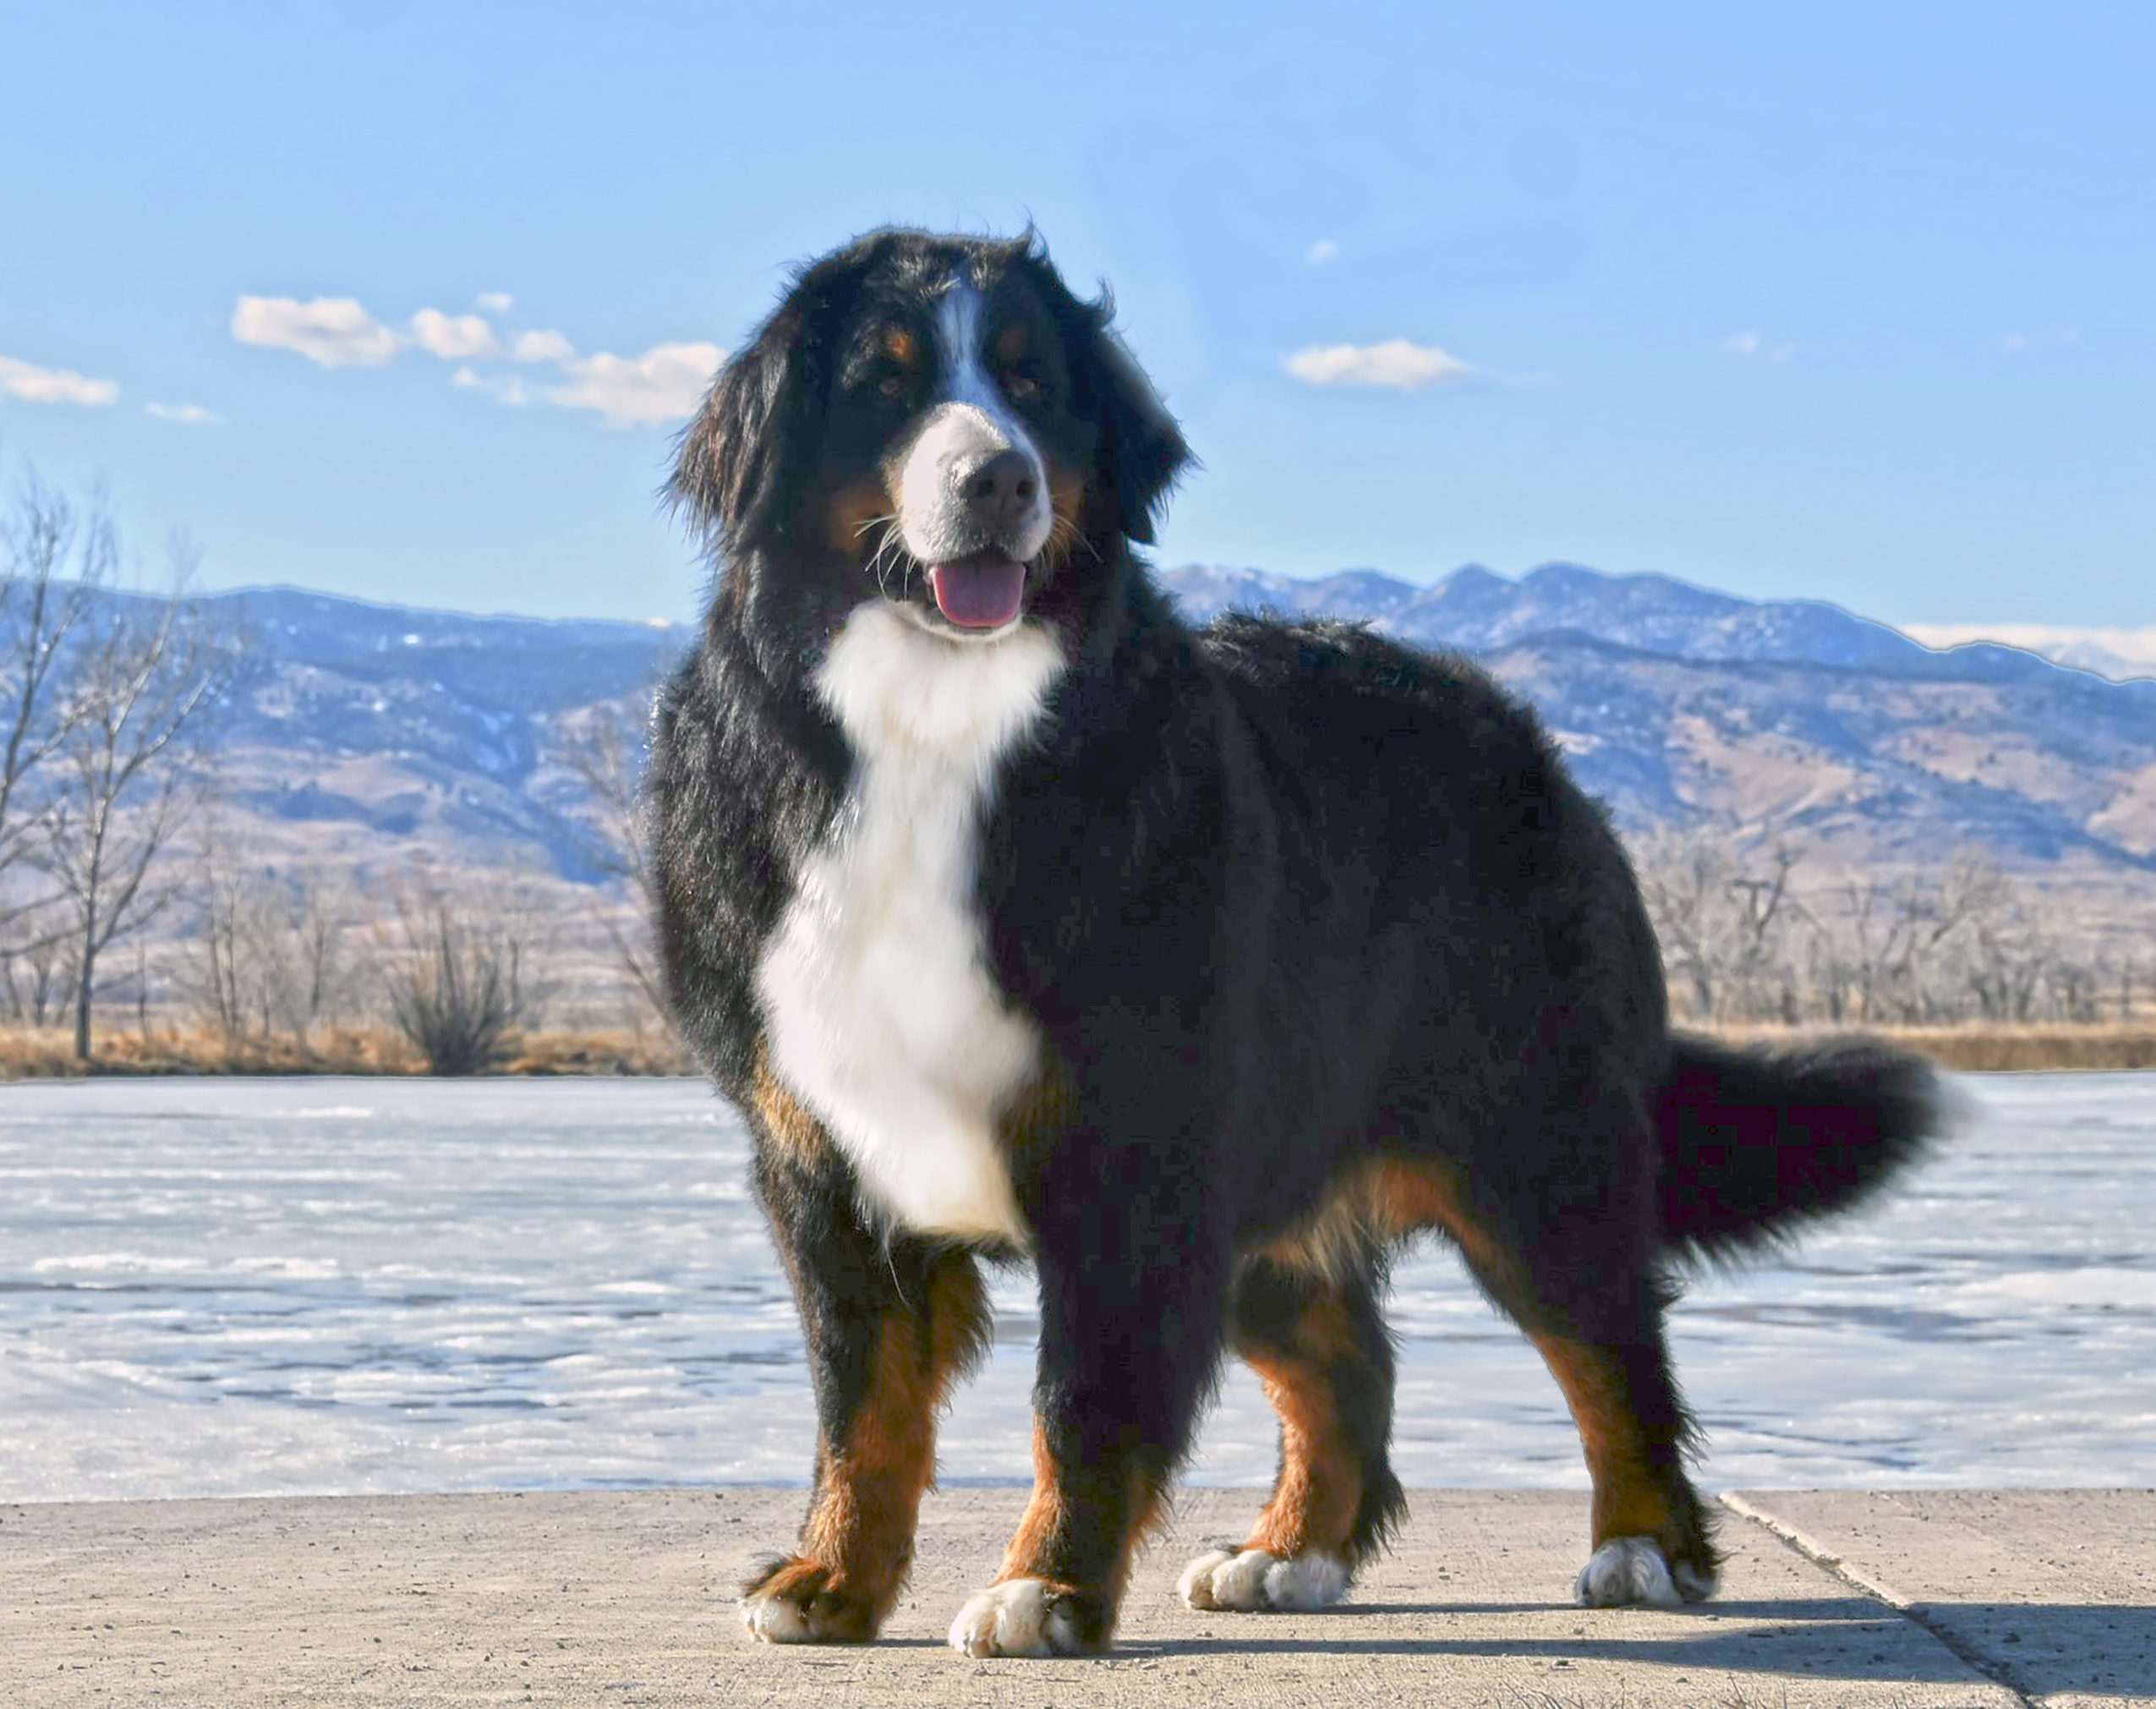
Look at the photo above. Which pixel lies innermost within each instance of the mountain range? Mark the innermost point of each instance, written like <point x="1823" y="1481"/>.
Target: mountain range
<point x="359" y="734"/>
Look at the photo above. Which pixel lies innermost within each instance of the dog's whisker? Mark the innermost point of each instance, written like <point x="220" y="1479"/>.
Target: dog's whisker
<point x="1065" y="538"/>
<point x="890" y="545"/>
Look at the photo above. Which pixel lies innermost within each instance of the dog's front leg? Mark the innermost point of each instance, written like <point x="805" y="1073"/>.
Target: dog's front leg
<point x="1131" y="1305"/>
<point x="888" y="1323"/>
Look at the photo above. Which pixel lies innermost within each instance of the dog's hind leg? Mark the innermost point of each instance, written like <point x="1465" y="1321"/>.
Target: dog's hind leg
<point x="889" y="1325"/>
<point x="1582" y="1281"/>
<point x="1319" y="1345"/>
<point x="1650" y="1535"/>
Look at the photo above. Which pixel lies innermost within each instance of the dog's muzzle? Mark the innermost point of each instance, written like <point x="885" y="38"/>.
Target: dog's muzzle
<point x="973" y="506"/>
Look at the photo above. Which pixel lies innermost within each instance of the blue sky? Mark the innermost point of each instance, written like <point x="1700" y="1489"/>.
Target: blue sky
<point x="1837" y="301"/>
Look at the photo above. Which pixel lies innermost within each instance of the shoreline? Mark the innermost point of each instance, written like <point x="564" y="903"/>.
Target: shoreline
<point x="348" y="1052"/>
<point x="48" y="1054"/>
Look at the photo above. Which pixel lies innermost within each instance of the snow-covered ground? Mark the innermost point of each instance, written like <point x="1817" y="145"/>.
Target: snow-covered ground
<point x="258" y="1287"/>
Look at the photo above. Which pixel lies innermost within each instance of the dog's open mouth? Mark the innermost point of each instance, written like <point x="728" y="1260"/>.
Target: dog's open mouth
<point x="981" y="590"/>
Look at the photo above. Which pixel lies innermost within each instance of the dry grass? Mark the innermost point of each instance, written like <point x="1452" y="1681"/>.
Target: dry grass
<point x="652" y="1052"/>
<point x="1998" y="1050"/>
<point x="49" y="1053"/>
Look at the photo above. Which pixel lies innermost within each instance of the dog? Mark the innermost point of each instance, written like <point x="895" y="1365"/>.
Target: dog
<point x="1201" y="968"/>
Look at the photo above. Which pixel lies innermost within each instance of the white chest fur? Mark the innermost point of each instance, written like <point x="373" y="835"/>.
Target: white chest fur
<point x="882" y="1016"/>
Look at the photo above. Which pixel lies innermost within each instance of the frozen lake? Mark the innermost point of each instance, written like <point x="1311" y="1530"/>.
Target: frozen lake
<point x="264" y="1287"/>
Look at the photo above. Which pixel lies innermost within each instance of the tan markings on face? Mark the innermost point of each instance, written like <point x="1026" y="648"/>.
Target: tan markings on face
<point x="855" y="511"/>
<point x="901" y="346"/>
<point x="1010" y="343"/>
<point x="1066" y="500"/>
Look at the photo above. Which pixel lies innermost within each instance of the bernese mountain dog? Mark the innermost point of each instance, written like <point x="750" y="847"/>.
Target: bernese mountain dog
<point x="1200" y="968"/>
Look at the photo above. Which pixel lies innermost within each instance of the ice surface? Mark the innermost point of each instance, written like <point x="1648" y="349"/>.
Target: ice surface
<point x="258" y="1287"/>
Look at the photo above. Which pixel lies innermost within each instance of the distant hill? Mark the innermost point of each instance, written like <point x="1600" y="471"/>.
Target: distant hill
<point x="359" y="732"/>
<point x="1477" y="610"/>
<point x="356" y="733"/>
<point x="1677" y="705"/>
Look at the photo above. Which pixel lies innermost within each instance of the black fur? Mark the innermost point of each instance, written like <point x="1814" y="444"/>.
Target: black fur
<point x="1756" y="1146"/>
<point x="1289" y="905"/>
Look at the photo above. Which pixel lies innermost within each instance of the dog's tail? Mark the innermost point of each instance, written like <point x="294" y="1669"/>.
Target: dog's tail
<point x="1757" y="1144"/>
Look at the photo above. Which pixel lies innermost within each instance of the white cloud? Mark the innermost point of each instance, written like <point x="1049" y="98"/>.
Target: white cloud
<point x="1405" y="366"/>
<point x="2018" y="343"/>
<point x="502" y="389"/>
<point x="452" y="337"/>
<point x="187" y="414"/>
<point x="2117" y="653"/>
<point x="334" y="331"/>
<point x="26" y="380"/>
<point x="663" y="384"/>
<point x="1750" y="344"/>
<point x="542" y="346"/>
<point x="1323" y="251"/>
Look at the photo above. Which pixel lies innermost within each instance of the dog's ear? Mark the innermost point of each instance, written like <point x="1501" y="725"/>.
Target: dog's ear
<point x="726" y="465"/>
<point x="1142" y="449"/>
<point x="764" y="413"/>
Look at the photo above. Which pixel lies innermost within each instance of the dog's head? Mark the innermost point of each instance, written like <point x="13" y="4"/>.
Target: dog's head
<point x="935" y="421"/>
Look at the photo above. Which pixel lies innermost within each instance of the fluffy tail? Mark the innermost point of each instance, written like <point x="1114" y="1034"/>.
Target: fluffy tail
<point x="1755" y="1144"/>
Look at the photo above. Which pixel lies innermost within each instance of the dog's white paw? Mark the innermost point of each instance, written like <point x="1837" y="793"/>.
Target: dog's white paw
<point x="781" y="1620"/>
<point x="1631" y="1570"/>
<point x="1019" y="1616"/>
<point x="1251" y="1578"/>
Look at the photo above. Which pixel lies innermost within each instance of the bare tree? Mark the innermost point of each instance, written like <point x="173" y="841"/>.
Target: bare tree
<point x="1741" y="941"/>
<point x="2121" y="970"/>
<point x="605" y="751"/>
<point x="1729" y="920"/>
<point x="1929" y="921"/>
<point x="315" y="976"/>
<point x="263" y="951"/>
<point x="55" y="556"/>
<point x="226" y="958"/>
<point x="1684" y="876"/>
<point x="143" y="677"/>
<point x="462" y="975"/>
<point x="38" y="980"/>
<point x="1761" y="913"/>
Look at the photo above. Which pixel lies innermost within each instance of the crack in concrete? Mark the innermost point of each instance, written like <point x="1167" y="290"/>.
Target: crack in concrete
<point x="1879" y="1590"/>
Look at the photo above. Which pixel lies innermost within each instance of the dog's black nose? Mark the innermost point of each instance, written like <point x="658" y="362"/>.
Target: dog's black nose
<point x="1001" y="490"/>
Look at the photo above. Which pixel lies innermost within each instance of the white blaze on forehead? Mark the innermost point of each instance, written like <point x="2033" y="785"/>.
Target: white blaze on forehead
<point x="971" y="422"/>
<point x="959" y="316"/>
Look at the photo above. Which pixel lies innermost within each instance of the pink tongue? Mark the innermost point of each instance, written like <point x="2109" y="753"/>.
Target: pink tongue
<point x="981" y="592"/>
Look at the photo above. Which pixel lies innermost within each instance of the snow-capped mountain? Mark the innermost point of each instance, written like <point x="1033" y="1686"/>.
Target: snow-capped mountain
<point x="365" y="735"/>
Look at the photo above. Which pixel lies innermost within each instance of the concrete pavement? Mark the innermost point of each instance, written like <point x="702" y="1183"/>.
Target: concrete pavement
<point x="1890" y="1601"/>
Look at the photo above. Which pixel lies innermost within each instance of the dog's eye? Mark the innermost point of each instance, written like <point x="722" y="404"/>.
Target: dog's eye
<point x="1023" y="386"/>
<point x="890" y="385"/>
